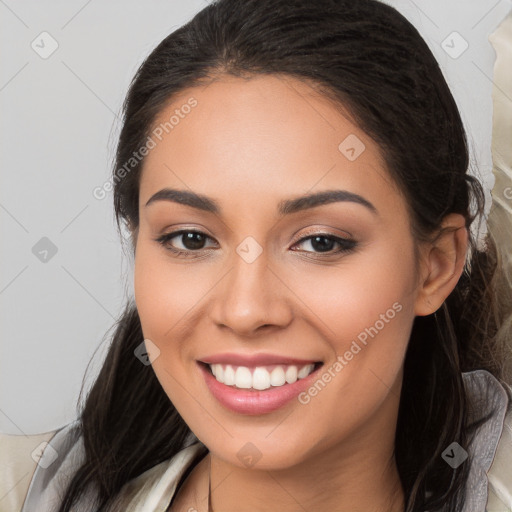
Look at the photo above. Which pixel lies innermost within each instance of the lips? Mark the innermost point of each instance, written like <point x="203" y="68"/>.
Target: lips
<point x="253" y="401"/>
<point x="252" y="360"/>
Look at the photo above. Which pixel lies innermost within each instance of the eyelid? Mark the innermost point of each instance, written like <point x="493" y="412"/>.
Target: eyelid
<point x="322" y="232"/>
<point x="181" y="231"/>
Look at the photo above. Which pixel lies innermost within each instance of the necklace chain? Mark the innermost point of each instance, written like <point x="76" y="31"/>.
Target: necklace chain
<point x="210" y="487"/>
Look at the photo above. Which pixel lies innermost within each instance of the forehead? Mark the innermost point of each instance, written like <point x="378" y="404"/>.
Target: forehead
<point x="264" y="136"/>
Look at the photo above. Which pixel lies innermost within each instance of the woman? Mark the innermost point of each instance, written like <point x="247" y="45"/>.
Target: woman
<point x="314" y="326"/>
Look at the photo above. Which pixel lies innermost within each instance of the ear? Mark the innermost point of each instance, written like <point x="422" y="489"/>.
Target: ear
<point x="442" y="263"/>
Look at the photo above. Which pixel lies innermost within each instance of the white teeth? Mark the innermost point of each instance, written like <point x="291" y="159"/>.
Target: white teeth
<point x="277" y="377"/>
<point x="291" y="374"/>
<point x="229" y="376"/>
<point x="243" y="378"/>
<point x="304" y="372"/>
<point x="260" y="378"/>
<point x="219" y="373"/>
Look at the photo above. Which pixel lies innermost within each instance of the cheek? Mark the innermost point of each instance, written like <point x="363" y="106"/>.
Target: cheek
<point x="167" y="298"/>
<point x="371" y="289"/>
<point x="165" y="294"/>
<point x="365" y="312"/>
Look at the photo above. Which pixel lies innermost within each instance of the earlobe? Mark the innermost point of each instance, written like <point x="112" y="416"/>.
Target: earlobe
<point x="442" y="265"/>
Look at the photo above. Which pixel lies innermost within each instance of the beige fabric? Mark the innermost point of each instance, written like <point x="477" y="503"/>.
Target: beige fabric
<point x="500" y="217"/>
<point x="151" y="491"/>
<point x="17" y="467"/>
<point x="500" y="226"/>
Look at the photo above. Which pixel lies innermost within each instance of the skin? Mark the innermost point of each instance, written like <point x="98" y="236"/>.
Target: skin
<point x="248" y="144"/>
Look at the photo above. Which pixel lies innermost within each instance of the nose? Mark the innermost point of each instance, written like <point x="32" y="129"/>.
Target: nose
<point x="251" y="298"/>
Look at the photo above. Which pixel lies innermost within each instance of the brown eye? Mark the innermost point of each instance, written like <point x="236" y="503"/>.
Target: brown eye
<point x="191" y="241"/>
<point x="322" y="243"/>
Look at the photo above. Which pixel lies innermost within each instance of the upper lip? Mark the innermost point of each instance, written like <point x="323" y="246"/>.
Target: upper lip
<point x="254" y="359"/>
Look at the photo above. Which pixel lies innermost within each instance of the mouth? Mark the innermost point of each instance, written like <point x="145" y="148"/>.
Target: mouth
<point x="259" y="378"/>
<point x="256" y="390"/>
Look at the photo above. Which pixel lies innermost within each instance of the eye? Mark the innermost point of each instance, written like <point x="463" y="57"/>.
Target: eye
<point x="325" y="243"/>
<point x="191" y="241"/>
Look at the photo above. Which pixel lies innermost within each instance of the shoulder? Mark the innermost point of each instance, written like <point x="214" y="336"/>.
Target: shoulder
<point x="159" y="484"/>
<point x="500" y="474"/>
<point x="19" y="456"/>
<point x="489" y="485"/>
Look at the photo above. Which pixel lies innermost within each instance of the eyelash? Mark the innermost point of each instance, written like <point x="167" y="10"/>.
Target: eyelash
<point x="347" y="245"/>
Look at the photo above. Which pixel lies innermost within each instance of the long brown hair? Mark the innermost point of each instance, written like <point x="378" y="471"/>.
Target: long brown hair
<point x="372" y="62"/>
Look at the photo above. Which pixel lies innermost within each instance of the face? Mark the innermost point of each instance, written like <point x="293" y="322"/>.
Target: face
<point x="251" y="272"/>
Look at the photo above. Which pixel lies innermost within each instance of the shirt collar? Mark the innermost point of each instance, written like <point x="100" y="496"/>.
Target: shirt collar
<point x="486" y="395"/>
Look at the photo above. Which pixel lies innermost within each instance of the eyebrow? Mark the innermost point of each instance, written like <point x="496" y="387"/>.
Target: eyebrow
<point x="285" y="207"/>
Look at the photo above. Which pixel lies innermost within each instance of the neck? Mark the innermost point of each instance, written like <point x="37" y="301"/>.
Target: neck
<point x="359" y="474"/>
<point x="313" y="489"/>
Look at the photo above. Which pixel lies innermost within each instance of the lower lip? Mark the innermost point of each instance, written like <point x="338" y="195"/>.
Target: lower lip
<point x="250" y="402"/>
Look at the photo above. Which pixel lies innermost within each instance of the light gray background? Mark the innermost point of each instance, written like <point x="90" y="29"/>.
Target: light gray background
<point x="59" y="122"/>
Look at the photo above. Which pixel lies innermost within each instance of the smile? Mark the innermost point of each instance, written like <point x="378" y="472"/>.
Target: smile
<point x="259" y="377"/>
<point x="255" y="390"/>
